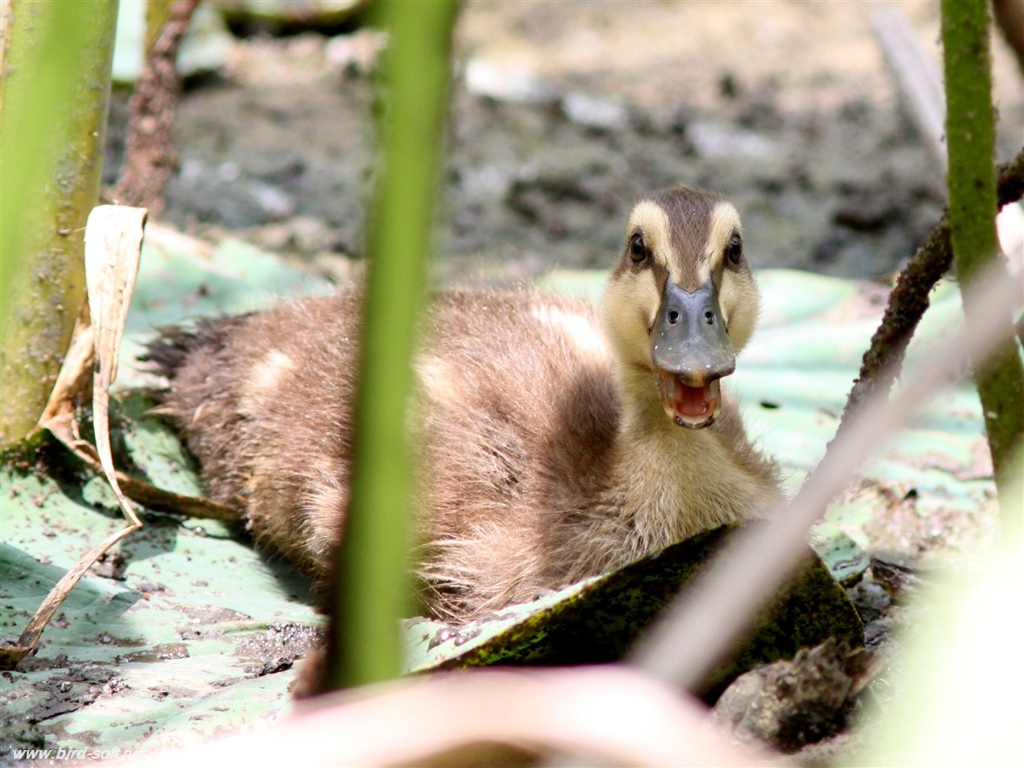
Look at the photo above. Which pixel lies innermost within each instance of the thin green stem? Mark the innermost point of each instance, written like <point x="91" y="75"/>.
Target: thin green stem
<point x="970" y="137"/>
<point x="371" y="586"/>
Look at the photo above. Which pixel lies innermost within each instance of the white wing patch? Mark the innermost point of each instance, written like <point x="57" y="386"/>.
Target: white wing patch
<point x="436" y="380"/>
<point x="577" y="328"/>
<point x="265" y="377"/>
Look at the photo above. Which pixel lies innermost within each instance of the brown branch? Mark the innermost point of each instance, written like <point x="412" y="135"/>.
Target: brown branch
<point x="1010" y="19"/>
<point x="1010" y="180"/>
<point x="909" y="298"/>
<point x="149" y="159"/>
<point x="64" y="428"/>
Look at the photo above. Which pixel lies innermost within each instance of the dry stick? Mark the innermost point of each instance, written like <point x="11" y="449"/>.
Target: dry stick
<point x="909" y="300"/>
<point x="62" y="427"/>
<point x="703" y="623"/>
<point x="919" y="81"/>
<point x="159" y="500"/>
<point x="30" y="636"/>
<point x="149" y="160"/>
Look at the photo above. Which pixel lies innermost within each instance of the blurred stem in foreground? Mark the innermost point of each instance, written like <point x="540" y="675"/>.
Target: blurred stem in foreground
<point x="54" y="94"/>
<point x="371" y="586"/>
<point x="970" y="137"/>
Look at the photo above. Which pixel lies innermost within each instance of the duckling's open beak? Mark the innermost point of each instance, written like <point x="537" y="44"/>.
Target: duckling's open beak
<point x="691" y="352"/>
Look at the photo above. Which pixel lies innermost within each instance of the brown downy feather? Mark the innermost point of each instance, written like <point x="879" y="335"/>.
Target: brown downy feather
<point x="533" y="471"/>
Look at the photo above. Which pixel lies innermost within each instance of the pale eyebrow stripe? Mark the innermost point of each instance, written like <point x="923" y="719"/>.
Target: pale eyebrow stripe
<point x="651" y="218"/>
<point x="724" y="220"/>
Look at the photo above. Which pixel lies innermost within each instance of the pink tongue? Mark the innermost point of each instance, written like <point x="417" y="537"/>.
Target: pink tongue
<point x="692" y="401"/>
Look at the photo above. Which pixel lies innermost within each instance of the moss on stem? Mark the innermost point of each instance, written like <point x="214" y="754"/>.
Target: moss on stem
<point x="53" y="101"/>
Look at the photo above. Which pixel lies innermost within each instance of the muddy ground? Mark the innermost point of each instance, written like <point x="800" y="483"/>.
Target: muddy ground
<point x="562" y="114"/>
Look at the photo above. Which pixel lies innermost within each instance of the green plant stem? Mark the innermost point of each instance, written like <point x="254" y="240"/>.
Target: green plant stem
<point x="970" y="138"/>
<point x="371" y="589"/>
<point x="53" y="112"/>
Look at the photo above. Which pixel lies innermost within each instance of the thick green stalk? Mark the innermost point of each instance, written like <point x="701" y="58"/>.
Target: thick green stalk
<point x="970" y="138"/>
<point x="54" y="96"/>
<point x="371" y="585"/>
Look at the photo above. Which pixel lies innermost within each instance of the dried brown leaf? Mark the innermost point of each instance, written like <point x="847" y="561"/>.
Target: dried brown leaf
<point x="113" y="244"/>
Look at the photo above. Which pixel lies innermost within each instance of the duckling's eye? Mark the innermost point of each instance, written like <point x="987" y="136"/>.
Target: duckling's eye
<point x="637" y="248"/>
<point x="734" y="250"/>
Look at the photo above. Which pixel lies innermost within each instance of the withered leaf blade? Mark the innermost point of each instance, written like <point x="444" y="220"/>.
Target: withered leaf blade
<point x="113" y="245"/>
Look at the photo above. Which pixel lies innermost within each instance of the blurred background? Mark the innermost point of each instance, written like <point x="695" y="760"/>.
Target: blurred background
<point x="562" y="114"/>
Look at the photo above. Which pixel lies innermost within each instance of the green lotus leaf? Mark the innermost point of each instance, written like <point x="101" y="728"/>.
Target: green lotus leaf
<point x="186" y="630"/>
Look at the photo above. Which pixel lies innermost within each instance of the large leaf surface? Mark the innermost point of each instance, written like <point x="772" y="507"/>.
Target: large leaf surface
<point x="190" y="632"/>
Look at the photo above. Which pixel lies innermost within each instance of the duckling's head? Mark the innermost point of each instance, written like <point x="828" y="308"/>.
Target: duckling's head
<point x="680" y="304"/>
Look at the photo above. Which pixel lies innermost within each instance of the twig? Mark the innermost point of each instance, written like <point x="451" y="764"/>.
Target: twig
<point x="30" y="636"/>
<point x="141" y="492"/>
<point x="917" y="77"/>
<point x="149" y="160"/>
<point x="909" y="299"/>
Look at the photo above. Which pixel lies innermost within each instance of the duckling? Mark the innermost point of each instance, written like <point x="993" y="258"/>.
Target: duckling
<point x="554" y="442"/>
